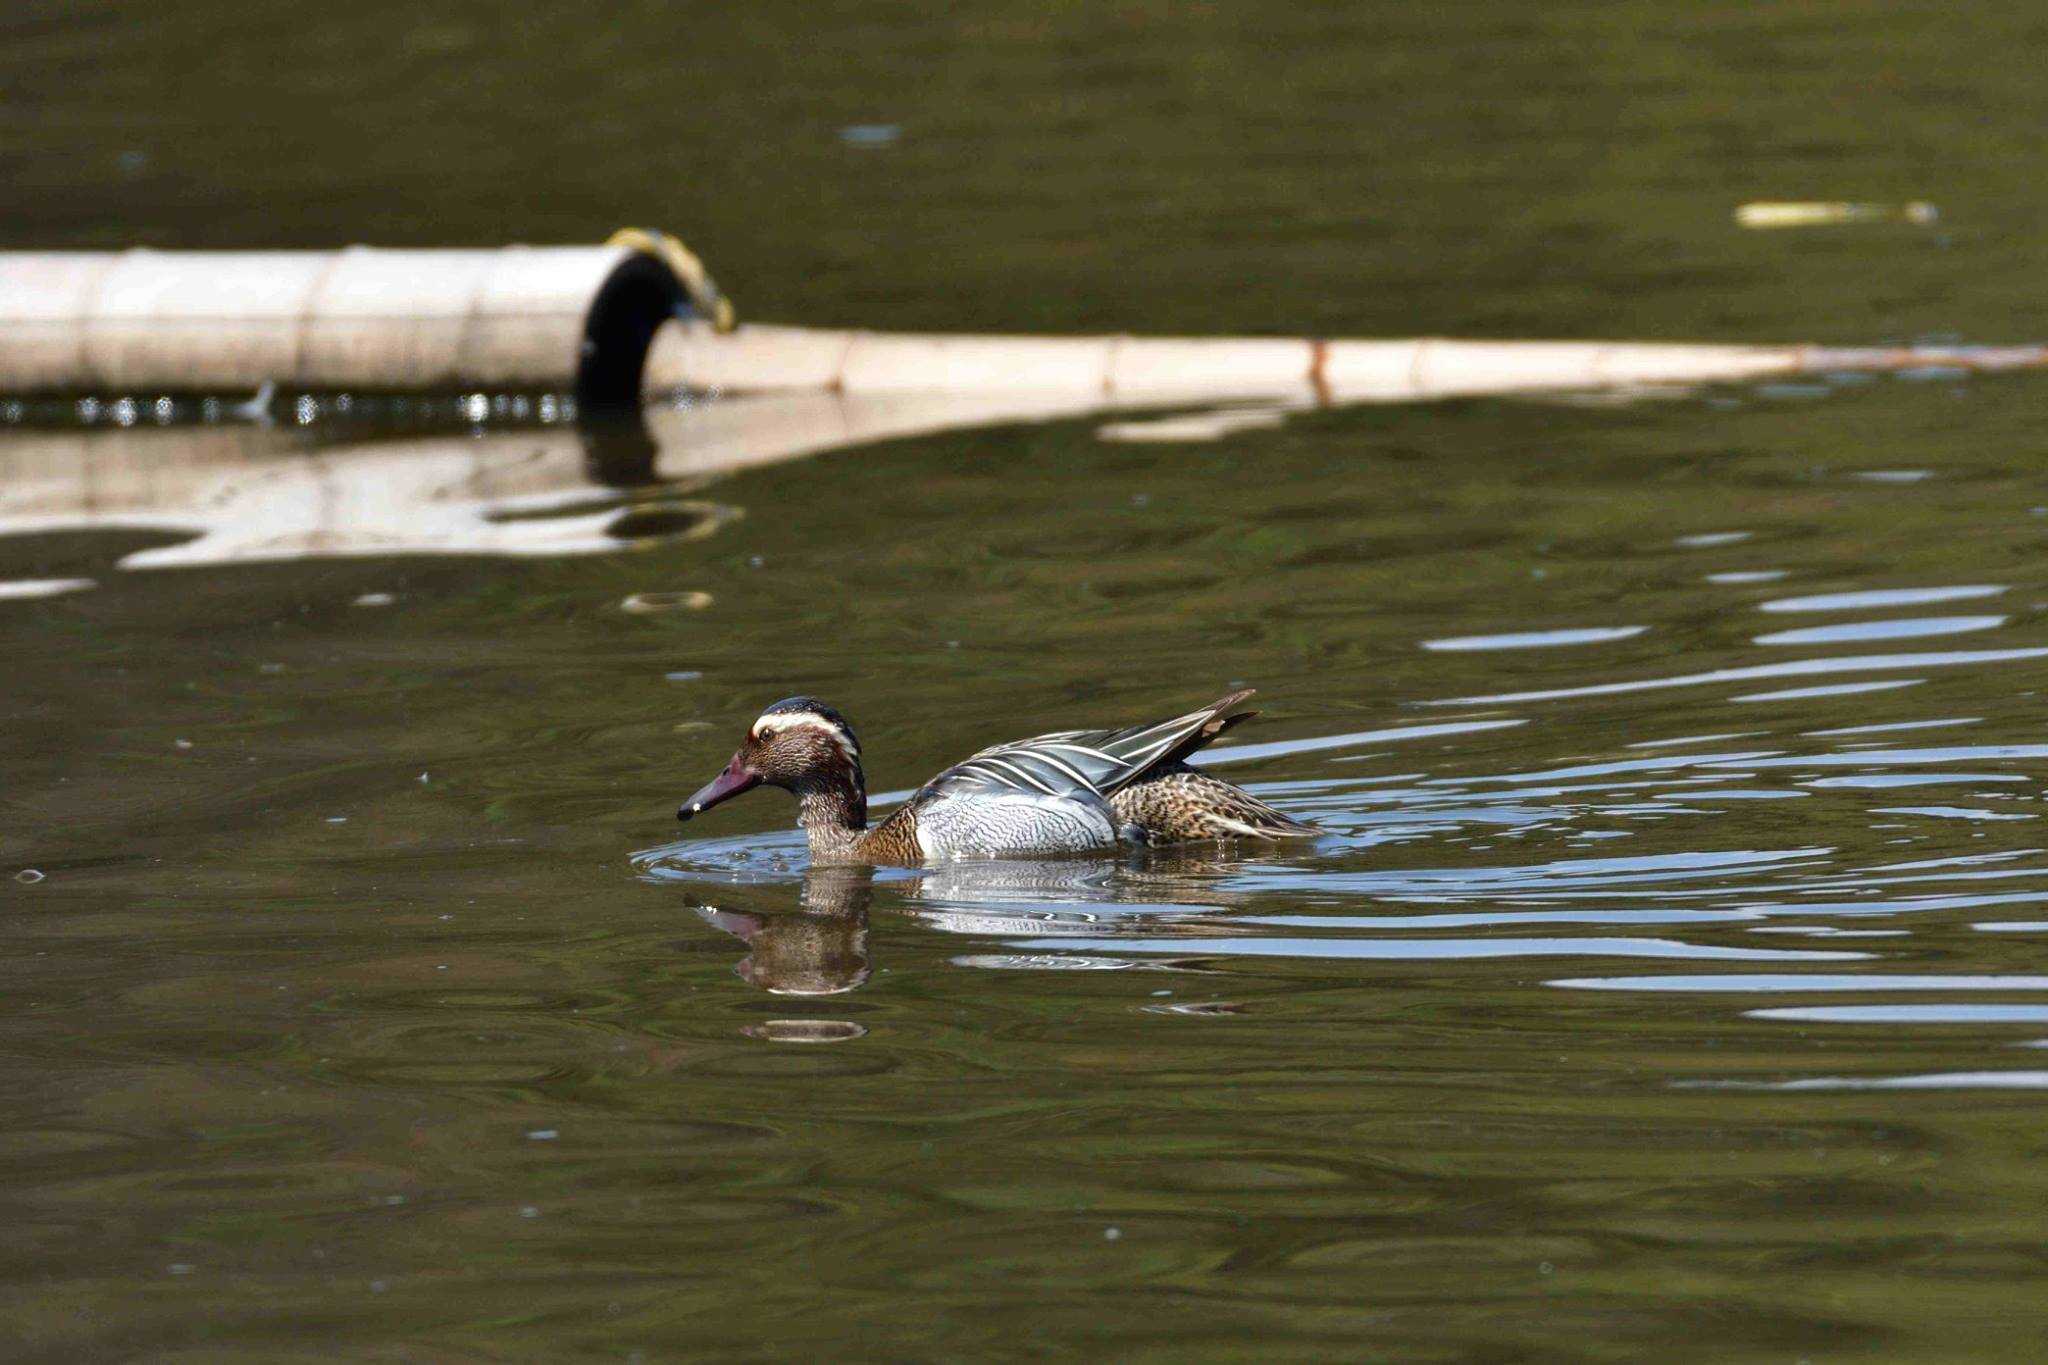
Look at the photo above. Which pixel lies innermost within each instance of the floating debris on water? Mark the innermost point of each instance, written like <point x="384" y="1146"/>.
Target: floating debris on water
<point x="257" y="408"/>
<point x="1768" y="214"/>
<point x="871" y="134"/>
<point x="649" y="603"/>
<point x="28" y="876"/>
<point x="374" y="599"/>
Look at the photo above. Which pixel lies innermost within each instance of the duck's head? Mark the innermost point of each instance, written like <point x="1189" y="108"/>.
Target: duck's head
<point x="798" y="744"/>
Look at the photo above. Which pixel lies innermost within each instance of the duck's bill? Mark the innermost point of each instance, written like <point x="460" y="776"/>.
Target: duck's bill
<point x="724" y="787"/>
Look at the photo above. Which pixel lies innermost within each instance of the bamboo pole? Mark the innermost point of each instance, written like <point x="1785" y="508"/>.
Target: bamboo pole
<point x="359" y="319"/>
<point x="608" y="321"/>
<point x="1136" y="370"/>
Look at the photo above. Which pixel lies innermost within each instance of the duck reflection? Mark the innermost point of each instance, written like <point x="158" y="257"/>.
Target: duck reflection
<point x="1021" y="897"/>
<point x="820" y="947"/>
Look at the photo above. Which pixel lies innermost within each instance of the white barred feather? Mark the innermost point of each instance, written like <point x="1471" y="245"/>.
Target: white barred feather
<point x="1082" y="763"/>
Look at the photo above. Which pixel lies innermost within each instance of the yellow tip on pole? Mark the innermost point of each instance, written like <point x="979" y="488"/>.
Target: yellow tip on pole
<point x="705" y="295"/>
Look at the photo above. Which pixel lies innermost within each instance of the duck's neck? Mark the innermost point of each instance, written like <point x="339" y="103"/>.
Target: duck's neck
<point x="833" y="810"/>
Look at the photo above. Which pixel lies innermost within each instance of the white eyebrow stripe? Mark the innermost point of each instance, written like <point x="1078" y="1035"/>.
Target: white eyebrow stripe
<point x="784" y="719"/>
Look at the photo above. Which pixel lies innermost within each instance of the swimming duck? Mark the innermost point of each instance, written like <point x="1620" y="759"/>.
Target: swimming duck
<point x="1076" y="791"/>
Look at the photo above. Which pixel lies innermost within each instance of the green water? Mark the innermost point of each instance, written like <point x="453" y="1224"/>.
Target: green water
<point x="1645" y="999"/>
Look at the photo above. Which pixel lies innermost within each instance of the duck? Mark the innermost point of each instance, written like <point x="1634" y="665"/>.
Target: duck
<point x="1069" y="792"/>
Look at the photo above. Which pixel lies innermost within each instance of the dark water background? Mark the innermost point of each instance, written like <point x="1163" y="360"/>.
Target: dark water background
<point x="1673" y="993"/>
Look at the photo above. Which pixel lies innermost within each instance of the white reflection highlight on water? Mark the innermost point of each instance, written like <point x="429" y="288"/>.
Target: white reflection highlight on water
<point x="1734" y="794"/>
<point x="1950" y="813"/>
<point x="1961" y="753"/>
<point x="1533" y="639"/>
<point x="1828" y="690"/>
<point x="1878" y="781"/>
<point x="1410" y="949"/>
<point x="1858" y="632"/>
<point x="1877" y="598"/>
<point x="1905" y="1014"/>
<point x="243" y="494"/>
<point x="1791" y="668"/>
<point x="1695" y="739"/>
<point x="1893" y="727"/>
<point x="1804" y="981"/>
<point x="1245" y="753"/>
<point x="1936" y="1080"/>
<point x="26" y="589"/>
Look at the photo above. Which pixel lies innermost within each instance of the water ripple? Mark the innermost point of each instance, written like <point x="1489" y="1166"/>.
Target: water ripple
<point x="1881" y="597"/>
<point x="1858" y="632"/>
<point x="1805" y="981"/>
<point x="1412" y="949"/>
<point x="1906" y="1014"/>
<point x="1936" y="1080"/>
<point x="1533" y="639"/>
<point x="1792" y="668"/>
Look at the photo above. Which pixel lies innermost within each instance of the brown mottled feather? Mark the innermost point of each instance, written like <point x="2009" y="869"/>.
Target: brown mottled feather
<point x="893" y="841"/>
<point x="1180" y="804"/>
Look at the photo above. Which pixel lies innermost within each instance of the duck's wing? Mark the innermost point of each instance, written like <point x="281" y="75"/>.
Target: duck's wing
<point x="1088" y="763"/>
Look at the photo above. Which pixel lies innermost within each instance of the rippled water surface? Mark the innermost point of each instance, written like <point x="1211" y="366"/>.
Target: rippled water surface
<point x="1669" y="982"/>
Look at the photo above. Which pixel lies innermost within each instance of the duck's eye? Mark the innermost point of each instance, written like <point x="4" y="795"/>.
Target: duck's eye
<point x="766" y="735"/>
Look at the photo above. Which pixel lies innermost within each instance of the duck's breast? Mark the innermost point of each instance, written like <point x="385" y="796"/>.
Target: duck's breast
<point x="998" y="824"/>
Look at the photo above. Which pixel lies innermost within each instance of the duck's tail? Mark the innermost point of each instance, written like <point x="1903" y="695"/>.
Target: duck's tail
<point x="1186" y="805"/>
<point x="1102" y="762"/>
<point x="1149" y="750"/>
